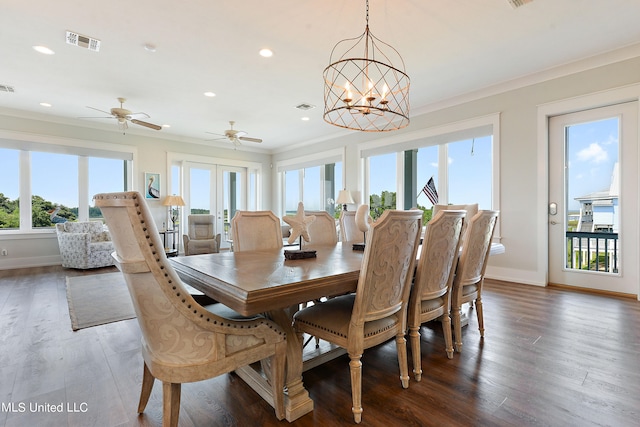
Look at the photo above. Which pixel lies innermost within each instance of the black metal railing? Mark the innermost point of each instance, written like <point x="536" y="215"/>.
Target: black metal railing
<point x="592" y="251"/>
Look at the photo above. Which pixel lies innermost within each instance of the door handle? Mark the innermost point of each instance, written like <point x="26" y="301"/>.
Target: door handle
<point x="553" y="223"/>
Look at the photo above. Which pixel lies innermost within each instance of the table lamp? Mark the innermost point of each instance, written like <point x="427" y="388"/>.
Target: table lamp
<point x="172" y="201"/>
<point x="344" y="197"/>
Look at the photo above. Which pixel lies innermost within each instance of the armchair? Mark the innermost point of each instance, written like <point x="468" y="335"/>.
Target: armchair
<point x="84" y="245"/>
<point x="201" y="238"/>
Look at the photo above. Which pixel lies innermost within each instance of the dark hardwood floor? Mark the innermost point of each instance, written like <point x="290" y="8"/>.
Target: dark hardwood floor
<point x="550" y="358"/>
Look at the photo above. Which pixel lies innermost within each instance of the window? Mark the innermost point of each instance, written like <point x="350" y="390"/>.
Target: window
<point x="105" y="175"/>
<point x="316" y="186"/>
<point x="43" y="184"/>
<point x="200" y="190"/>
<point x="54" y="187"/>
<point x="461" y="158"/>
<point x="292" y="191"/>
<point x="9" y="190"/>
<point x="382" y="183"/>
<point x="469" y="169"/>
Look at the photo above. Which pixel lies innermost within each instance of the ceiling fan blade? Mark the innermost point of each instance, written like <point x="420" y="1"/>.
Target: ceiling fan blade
<point x="102" y="111"/>
<point x="101" y="117"/>
<point x="246" y="138"/>
<point x="138" y="115"/>
<point x="146" y="124"/>
<point x="217" y="134"/>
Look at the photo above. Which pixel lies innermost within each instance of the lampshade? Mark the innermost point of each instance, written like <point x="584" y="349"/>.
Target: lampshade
<point x="173" y="201"/>
<point x="363" y="90"/>
<point x="344" y="197"/>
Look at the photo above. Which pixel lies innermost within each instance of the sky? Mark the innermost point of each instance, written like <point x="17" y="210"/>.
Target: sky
<point x="592" y="151"/>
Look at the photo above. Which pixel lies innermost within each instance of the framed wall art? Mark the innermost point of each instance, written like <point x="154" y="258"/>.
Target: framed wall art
<point x="151" y="186"/>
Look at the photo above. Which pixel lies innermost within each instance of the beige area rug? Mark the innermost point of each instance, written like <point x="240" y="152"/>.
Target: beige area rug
<point x="98" y="299"/>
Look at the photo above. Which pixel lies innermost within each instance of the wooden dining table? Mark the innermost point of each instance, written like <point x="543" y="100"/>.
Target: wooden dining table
<point x="264" y="282"/>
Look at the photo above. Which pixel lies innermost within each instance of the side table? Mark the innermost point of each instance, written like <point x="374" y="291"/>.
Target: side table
<point x="173" y="250"/>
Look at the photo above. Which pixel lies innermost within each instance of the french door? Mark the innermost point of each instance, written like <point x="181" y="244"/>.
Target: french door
<point x="215" y="189"/>
<point x="593" y="199"/>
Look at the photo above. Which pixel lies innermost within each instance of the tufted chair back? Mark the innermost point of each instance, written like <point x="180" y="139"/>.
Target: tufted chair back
<point x="182" y="341"/>
<point x="348" y="230"/>
<point x="323" y="230"/>
<point x="256" y="230"/>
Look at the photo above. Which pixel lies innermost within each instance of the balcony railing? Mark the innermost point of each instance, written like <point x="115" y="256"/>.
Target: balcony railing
<point x="592" y="251"/>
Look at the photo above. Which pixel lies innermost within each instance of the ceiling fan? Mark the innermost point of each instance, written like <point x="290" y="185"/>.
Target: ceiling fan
<point x="123" y="116"/>
<point x="235" y="136"/>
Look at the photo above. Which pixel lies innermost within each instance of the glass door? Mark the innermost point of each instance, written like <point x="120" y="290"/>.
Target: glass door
<point x="593" y="196"/>
<point x="232" y="193"/>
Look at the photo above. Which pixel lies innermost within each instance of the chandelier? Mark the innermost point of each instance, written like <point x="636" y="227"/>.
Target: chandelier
<point x="362" y="90"/>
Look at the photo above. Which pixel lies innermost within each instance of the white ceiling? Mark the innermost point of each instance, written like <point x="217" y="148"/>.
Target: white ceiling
<point x="450" y="48"/>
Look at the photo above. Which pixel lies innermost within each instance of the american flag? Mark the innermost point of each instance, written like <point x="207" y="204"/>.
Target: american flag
<point x="430" y="191"/>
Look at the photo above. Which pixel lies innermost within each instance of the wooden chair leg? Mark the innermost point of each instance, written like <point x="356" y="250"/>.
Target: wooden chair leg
<point x="480" y="316"/>
<point x="355" y="367"/>
<point x="446" y="331"/>
<point x="170" y="404"/>
<point x="401" y="348"/>
<point x="414" y="337"/>
<point x="277" y="379"/>
<point x="145" y="392"/>
<point x="457" y="329"/>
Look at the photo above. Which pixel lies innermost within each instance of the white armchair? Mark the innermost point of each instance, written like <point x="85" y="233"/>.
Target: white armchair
<point x="201" y="238"/>
<point x="84" y="245"/>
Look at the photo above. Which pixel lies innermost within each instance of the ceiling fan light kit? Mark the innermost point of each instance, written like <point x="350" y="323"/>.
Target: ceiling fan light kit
<point x="363" y="90"/>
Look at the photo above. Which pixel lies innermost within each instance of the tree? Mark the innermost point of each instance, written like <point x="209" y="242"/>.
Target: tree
<point x="387" y="200"/>
<point x="40" y="208"/>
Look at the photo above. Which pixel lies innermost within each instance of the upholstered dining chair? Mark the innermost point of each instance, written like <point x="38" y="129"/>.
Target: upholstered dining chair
<point x="201" y="238"/>
<point x="182" y="341"/>
<point x="469" y="276"/>
<point x="376" y="312"/>
<point x="323" y="230"/>
<point x="255" y="230"/>
<point x="430" y="297"/>
<point x="348" y="230"/>
<point x="471" y="209"/>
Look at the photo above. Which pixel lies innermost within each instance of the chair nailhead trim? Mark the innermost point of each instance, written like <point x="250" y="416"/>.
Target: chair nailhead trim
<point x="175" y="288"/>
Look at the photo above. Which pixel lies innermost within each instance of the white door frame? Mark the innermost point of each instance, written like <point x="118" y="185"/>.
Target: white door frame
<point x="599" y="99"/>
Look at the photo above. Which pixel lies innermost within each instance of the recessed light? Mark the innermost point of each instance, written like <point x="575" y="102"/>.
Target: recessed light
<point x="43" y="49"/>
<point x="209" y="94"/>
<point x="305" y="119"/>
<point x="266" y="53"/>
<point x="166" y="126"/>
<point x="149" y="47"/>
<point x="45" y="104"/>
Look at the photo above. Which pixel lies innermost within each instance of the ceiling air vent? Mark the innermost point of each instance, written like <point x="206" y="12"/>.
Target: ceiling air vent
<point x="5" y="88"/>
<point x="83" y="41"/>
<point x="518" y="3"/>
<point x="305" y="106"/>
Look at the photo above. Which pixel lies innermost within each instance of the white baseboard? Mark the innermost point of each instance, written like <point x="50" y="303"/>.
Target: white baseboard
<point x="534" y="278"/>
<point x="28" y="262"/>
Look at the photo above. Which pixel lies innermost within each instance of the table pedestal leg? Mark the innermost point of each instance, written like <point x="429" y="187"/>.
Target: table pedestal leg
<point x="297" y="400"/>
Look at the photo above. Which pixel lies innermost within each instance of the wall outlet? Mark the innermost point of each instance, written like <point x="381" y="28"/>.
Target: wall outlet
<point x="5" y="252"/>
